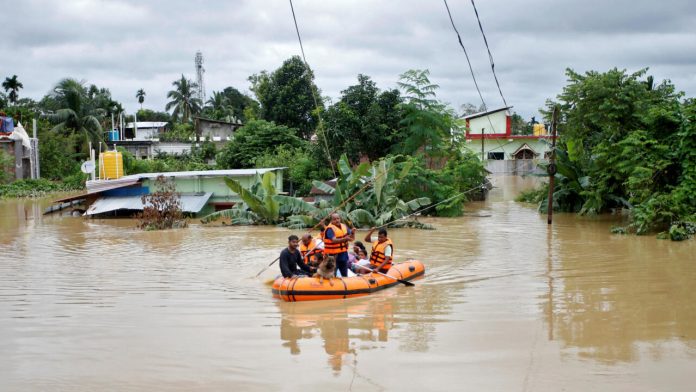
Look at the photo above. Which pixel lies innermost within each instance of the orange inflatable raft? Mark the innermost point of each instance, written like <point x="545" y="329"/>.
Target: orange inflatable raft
<point x="311" y="289"/>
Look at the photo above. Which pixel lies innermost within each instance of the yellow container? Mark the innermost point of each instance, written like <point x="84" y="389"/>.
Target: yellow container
<point x="539" y="130"/>
<point x="110" y="165"/>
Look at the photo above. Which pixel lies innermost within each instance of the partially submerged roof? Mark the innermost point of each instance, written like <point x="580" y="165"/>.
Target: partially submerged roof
<point x="204" y="173"/>
<point x="98" y="187"/>
<point x="192" y="203"/>
<point x="481" y="114"/>
<point x="104" y="185"/>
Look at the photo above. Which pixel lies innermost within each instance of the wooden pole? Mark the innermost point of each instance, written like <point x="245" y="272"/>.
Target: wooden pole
<point x="551" y="170"/>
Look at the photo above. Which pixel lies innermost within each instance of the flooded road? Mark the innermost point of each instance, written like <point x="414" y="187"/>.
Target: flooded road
<point x="506" y="304"/>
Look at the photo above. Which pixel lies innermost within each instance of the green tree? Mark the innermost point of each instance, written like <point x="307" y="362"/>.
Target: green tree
<point x="626" y="142"/>
<point x="141" y="97"/>
<point x="76" y="113"/>
<point x="218" y="107"/>
<point x="302" y="167"/>
<point x="428" y="122"/>
<point x="183" y="99"/>
<point x="365" y="122"/>
<point x="253" y="140"/>
<point x="12" y="85"/>
<point x="286" y="96"/>
<point x="151" y="115"/>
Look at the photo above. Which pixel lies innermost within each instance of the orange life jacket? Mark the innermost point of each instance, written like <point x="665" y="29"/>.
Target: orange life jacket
<point x="377" y="257"/>
<point x="331" y="247"/>
<point x="307" y="251"/>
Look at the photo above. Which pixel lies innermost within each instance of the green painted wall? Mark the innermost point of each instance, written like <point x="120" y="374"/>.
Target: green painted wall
<point x="216" y="185"/>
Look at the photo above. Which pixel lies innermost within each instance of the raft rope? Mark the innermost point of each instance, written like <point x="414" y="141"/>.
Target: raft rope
<point x="477" y="187"/>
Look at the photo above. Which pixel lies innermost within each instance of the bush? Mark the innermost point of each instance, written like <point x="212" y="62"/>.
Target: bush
<point x="302" y="168"/>
<point x="6" y="162"/>
<point x="451" y="186"/>
<point x="253" y="140"/>
<point x="35" y="188"/>
<point x="162" y="208"/>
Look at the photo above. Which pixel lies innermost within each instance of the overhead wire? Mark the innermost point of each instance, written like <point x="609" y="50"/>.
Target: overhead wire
<point x="473" y="76"/>
<point x="314" y="94"/>
<point x="490" y="56"/>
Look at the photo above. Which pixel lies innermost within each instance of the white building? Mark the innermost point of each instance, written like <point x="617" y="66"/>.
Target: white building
<point x="144" y="130"/>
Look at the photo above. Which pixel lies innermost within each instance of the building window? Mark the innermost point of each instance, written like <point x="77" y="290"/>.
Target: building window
<point x="498" y="156"/>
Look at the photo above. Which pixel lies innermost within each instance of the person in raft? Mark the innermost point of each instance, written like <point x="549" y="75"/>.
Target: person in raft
<point x="310" y="248"/>
<point x="291" y="260"/>
<point x="382" y="250"/>
<point x="336" y="238"/>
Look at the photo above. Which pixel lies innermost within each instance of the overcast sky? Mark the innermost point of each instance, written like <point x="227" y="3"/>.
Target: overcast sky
<point x="128" y="45"/>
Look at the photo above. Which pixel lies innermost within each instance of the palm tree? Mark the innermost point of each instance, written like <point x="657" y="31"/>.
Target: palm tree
<point x="218" y="105"/>
<point x="183" y="99"/>
<point x="141" y="97"/>
<point x="76" y="114"/>
<point x="12" y="85"/>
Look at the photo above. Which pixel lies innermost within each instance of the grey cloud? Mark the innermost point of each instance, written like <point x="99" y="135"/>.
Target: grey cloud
<point x="127" y="45"/>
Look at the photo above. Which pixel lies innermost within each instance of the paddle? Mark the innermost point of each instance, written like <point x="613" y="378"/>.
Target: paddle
<point x="331" y="213"/>
<point x="278" y="258"/>
<point x="404" y="282"/>
<point x="269" y="265"/>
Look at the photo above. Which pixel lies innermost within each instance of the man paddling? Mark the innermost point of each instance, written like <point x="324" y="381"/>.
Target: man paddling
<point x="382" y="250"/>
<point x="291" y="259"/>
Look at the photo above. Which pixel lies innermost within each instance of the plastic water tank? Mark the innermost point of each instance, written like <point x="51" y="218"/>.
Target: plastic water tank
<point x="110" y="165"/>
<point x="113" y="135"/>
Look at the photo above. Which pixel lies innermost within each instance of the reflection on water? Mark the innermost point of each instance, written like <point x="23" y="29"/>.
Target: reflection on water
<point x="507" y="303"/>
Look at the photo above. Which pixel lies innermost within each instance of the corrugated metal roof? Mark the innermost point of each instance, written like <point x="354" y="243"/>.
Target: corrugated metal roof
<point x="204" y="173"/>
<point x="189" y="203"/>
<point x="97" y="186"/>
<point x="481" y="114"/>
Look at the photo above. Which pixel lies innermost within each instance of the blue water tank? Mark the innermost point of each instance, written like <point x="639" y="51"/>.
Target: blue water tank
<point x="113" y="135"/>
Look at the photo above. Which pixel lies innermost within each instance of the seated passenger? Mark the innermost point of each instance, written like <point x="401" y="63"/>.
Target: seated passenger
<point x="382" y="251"/>
<point x="291" y="259"/>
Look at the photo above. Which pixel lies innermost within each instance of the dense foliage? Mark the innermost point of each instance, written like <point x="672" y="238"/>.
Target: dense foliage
<point x="627" y="143"/>
<point x="287" y="96"/>
<point x="405" y="126"/>
<point x="254" y="139"/>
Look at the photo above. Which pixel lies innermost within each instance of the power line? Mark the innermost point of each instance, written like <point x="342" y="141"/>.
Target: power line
<point x="314" y="94"/>
<point x="490" y="56"/>
<point x="471" y="69"/>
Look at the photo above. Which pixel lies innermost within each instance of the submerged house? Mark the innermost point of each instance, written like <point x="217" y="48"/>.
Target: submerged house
<point x="21" y="151"/>
<point x="201" y="192"/>
<point x="489" y="135"/>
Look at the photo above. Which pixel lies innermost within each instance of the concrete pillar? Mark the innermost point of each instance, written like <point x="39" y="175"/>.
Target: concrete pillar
<point x="19" y="154"/>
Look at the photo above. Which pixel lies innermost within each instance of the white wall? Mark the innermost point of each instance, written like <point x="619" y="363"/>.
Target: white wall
<point x="498" y="120"/>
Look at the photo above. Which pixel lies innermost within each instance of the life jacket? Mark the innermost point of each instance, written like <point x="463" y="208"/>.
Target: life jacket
<point x="307" y="251"/>
<point x="377" y="257"/>
<point x="331" y="247"/>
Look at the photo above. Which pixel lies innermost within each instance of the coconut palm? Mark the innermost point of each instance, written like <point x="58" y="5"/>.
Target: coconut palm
<point x="12" y="85"/>
<point x="141" y="97"/>
<point x="183" y="99"/>
<point x="218" y="106"/>
<point x="75" y="114"/>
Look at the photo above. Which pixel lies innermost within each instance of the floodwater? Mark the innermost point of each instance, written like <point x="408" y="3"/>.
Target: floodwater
<point x="507" y="304"/>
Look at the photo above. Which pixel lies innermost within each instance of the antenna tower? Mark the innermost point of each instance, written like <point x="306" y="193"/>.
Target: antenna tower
<point x="199" y="76"/>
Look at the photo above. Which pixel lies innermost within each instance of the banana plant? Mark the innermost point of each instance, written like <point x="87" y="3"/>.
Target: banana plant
<point x="261" y="203"/>
<point x="377" y="205"/>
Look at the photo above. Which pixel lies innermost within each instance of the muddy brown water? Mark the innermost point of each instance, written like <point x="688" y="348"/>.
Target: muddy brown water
<point x="507" y="304"/>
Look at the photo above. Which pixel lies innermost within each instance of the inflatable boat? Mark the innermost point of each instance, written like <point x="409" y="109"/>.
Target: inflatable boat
<point x="313" y="289"/>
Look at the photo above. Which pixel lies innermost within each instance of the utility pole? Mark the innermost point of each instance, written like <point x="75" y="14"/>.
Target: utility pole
<point x="551" y="169"/>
